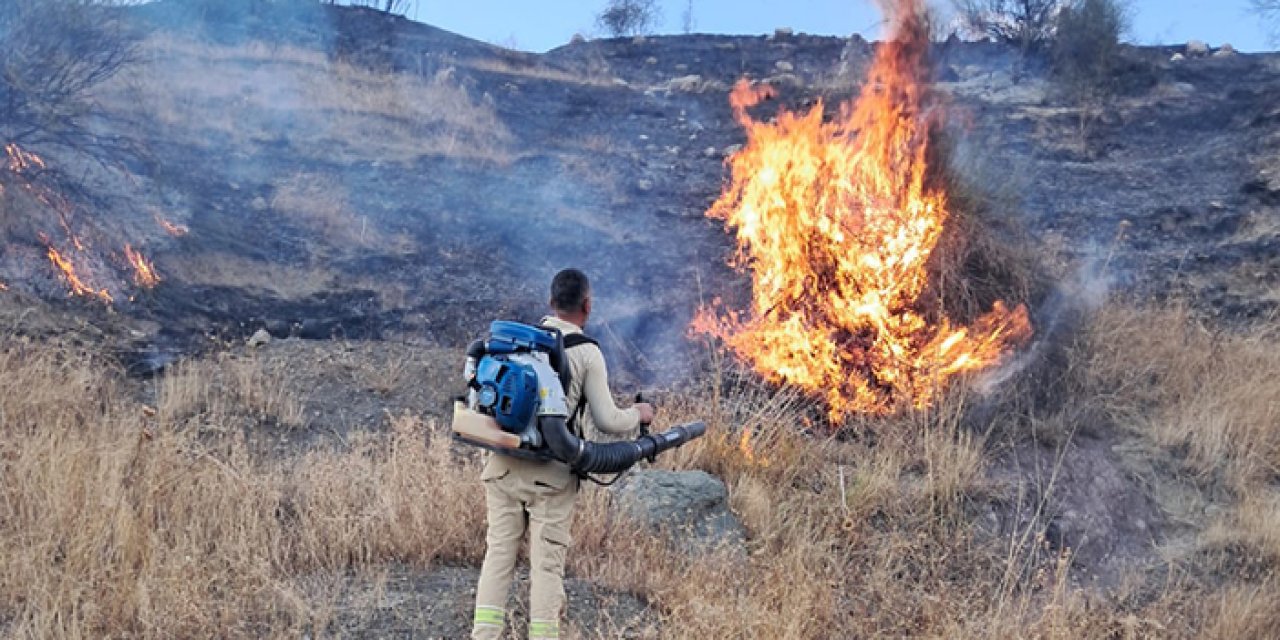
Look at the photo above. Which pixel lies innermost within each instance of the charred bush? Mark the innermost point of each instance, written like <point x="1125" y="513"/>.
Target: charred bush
<point x="55" y="53"/>
<point x="628" y="17"/>
<point x="1087" y="57"/>
<point x="1269" y="11"/>
<point x="1027" y="24"/>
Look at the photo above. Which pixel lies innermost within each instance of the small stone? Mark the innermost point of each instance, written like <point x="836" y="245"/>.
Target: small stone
<point x="651" y="60"/>
<point x="577" y="38"/>
<point x="784" y="66"/>
<point x="259" y="338"/>
<point x="782" y="33"/>
<point x="1197" y="49"/>
<point x="258" y="204"/>
<point x="1225" y="52"/>
<point x="639" y="40"/>
<point x="687" y="84"/>
<point x="682" y="67"/>
<point x="1177" y="57"/>
<point x="644" y="185"/>
<point x="732" y="149"/>
<point x="710" y="152"/>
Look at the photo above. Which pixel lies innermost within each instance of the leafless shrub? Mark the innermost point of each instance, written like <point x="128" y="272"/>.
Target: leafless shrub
<point x="629" y="17"/>
<point x="55" y="52"/>
<point x="1028" y="24"/>
<point x="1269" y="11"/>
<point x="1086" y="55"/>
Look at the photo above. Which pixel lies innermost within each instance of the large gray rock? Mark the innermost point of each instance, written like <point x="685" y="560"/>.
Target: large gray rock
<point x="691" y="505"/>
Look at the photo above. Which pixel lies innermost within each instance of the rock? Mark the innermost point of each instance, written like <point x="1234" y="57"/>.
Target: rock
<point x="1226" y="51"/>
<point x="732" y="149"/>
<point x="258" y="204"/>
<point x="639" y="40"/>
<point x="692" y="505"/>
<point x="651" y="60"/>
<point x="687" y="84"/>
<point x="784" y="80"/>
<point x="644" y="185"/>
<point x="710" y="152"/>
<point x="260" y="338"/>
<point x="782" y="33"/>
<point x="682" y="67"/>
<point x="1177" y="57"/>
<point x="1197" y="49"/>
<point x="784" y="66"/>
<point x="577" y="38"/>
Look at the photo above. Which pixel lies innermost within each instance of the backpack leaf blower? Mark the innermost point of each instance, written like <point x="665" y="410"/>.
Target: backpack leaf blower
<point x="515" y="405"/>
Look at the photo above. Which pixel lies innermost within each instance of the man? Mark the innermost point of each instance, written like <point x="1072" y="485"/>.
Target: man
<point x="538" y="496"/>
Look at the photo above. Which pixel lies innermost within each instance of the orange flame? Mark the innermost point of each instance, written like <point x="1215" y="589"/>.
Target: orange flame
<point x="175" y="230"/>
<point x="748" y="450"/>
<point x="144" y="271"/>
<point x="68" y="270"/>
<point x="20" y="160"/>
<point x="836" y="222"/>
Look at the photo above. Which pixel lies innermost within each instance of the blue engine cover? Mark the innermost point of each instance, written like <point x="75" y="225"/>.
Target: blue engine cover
<point x="513" y="337"/>
<point x="508" y="390"/>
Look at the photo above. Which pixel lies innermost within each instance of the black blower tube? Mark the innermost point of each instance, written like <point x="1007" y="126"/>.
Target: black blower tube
<point x="612" y="457"/>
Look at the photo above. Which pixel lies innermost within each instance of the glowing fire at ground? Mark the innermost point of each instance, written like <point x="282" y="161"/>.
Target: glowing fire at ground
<point x="836" y="223"/>
<point x="144" y="271"/>
<point x="175" y="230"/>
<point x="749" y="451"/>
<point x="72" y="277"/>
<point x="20" y="160"/>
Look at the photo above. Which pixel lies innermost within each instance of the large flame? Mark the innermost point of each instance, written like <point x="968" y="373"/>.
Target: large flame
<point x="836" y="222"/>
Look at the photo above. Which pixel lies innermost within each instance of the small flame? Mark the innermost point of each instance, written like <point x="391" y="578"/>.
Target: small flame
<point x="748" y="450"/>
<point x="20" y="160"/>
<point x="175" y="230"/>
<point x="144" y="271"/>
<point x="72" y="278"/>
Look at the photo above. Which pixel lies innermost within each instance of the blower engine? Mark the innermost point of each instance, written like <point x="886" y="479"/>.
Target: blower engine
<point x="515" y="405"/>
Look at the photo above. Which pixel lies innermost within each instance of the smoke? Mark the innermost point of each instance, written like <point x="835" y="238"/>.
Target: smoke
<point x="1075" y="298"/>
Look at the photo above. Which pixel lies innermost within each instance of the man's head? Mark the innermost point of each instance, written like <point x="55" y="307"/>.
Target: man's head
<point x="571" y="296"/>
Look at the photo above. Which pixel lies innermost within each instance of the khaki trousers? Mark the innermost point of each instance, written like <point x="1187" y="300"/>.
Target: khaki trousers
<point x="537" y="499"/>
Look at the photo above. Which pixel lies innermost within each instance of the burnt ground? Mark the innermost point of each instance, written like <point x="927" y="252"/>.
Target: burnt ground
<point x="605" y="155"/>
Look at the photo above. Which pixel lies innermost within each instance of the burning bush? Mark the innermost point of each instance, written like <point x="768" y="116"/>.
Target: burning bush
<point x="839" y="223"/>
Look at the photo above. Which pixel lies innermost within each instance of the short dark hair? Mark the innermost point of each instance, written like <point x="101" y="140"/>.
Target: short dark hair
<point x="569" y="289"/>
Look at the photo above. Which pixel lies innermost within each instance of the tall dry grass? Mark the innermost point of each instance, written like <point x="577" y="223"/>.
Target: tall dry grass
<point x="117" y="521"/>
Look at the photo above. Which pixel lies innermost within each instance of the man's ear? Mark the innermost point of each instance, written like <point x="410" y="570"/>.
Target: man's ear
<point x="586" y="305"/>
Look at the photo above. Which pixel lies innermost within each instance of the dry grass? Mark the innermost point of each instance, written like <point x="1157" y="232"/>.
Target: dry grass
<point x="322" y="205"/>
<point x="116" y="523"/>
<point x="256" y="94"/>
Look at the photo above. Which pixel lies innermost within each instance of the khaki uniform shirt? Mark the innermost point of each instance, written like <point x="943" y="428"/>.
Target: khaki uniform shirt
<point x="590" y="377"/>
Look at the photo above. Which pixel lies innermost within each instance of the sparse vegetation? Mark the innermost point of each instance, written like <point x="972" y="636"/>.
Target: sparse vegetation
<point x="1086" y="55"/>
<point x="1028" y="24"/>
<point x="629" y="17"/>
<point x="1269" y="11"/>
<point x="341" y="110"/>
<point x="55" y="53"/>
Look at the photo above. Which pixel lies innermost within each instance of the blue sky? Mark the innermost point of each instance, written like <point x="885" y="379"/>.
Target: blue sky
<point x="538" y="25"/>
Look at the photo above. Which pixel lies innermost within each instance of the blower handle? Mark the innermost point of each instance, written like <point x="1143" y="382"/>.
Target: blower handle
<point x="644" y="429"/>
